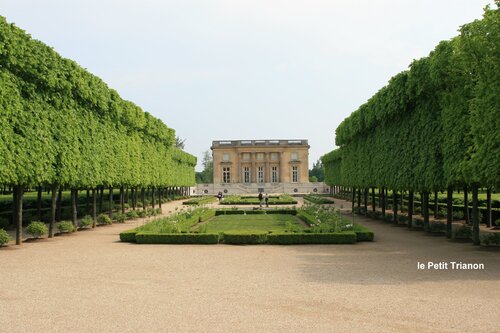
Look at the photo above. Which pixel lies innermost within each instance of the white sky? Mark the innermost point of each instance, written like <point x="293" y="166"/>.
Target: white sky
<point x="229" y="69"/>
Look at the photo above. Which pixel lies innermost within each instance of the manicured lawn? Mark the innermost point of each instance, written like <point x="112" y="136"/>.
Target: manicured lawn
<point x="271" y="222"/>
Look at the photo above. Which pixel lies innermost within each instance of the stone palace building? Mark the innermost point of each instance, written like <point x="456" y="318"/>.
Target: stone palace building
<point x="252" y="166"/>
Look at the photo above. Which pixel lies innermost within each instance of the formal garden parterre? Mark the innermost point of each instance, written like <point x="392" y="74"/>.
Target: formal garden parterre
<point x="311" y="224"/>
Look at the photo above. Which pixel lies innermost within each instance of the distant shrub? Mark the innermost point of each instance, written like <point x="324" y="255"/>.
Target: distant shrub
<point x="491" y="238"/>
<point x="37" y="229"/>
<point x="4" y="237"/>
<point x="87" y="221"/>
<point x="119" y="217"/>
<point x="65" y="226"/>
<point x="462" y="232"/>
<point x="103" y="219"/>
<point x="132" y="214"/>
<point x="142" y="213"/>
<point x="437" y="226"/>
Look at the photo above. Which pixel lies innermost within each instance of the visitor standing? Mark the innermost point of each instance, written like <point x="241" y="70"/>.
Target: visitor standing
<point x="260" y="199"/>
<point x="267" y="200"/>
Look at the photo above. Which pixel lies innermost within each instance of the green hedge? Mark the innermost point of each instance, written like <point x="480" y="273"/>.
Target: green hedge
<point x="363" y="234"/>
<point x="309" y="238"/>
<point x="177" y="238"/>
<point x="306" y="217"/>
<point x="318" y="199"/>
<point x="128" y="236"/>
<point x="245" y="237"/>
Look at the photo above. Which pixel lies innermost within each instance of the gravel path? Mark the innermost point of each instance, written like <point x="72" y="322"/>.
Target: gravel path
<point x="90" y="282"/>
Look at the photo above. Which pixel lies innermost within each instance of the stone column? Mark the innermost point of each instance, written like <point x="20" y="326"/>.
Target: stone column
<point x="283" y="165"/>
<point x="267" y="169"/>
<point x="253" y="172"/>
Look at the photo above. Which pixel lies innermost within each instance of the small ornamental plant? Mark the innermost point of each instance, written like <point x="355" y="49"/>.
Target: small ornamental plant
<point x="132" y="215"/>
<point x="37" y="229"/>
<point x="119" y="217"/>
<point x="65" y="226"/>
<point x="104" y="219"/>
<point x="4" y="237"/>
<point x="86" y="221"/>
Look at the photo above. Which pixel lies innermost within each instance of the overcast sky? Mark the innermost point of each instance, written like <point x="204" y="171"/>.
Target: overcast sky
<point x="229" y="69"/>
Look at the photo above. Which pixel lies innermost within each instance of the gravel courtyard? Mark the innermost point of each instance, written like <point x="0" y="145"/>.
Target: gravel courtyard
<point x="90" y="282"/>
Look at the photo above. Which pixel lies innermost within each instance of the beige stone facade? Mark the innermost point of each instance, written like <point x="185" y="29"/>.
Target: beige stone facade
<point x="261" y="163"/>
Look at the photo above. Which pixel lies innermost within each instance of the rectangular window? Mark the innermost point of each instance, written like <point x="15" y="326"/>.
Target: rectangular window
<point x="295" y="174"/>
<point x="225" y="157"/>
<point x="294" y="156"/>
<point x="274" y="174"/>
<point x="260" y="156"/>
<point x="274" y="156"/>
<point x="226" y="175"/>
<point x="261" y="174"/>
<point x="246" y="156"/>
<point x="246" y="174"/>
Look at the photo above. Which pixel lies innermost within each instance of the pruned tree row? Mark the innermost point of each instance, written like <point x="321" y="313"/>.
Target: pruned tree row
<point x="434" y="127"/>
<point x="62" y="127"/>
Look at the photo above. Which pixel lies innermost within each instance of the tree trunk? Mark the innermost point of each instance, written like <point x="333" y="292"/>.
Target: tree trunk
<point x="59" y="205"/>
<point x="39" y="203"/>
<point x="127" y="196"/>
<point x="436" y="206"/>
<point x="373" y="198"/>
<point x="425" y="208"/>
<point x="382" y="199"/>
<point x="488" y="207"/>
<point x="365" y="200"/>
<point x="153" y="197"/>
<point x="143" y="197"/>
<point x="53" y="207"/>
<point x="353" y="198"/>
<point x="101" y="198"/>
<point x="466" y="206"/>
<point x="402" y="201"/>
<point x="110" y="199"/>
<point x="74" y="216"/>
<point x="159" y="197"/>
<point x="359" y="197"/>
<point x="122" y="199"/>
<point x="449" y="211"/>
<point x="475" y="216"/>
<point x="87" y="202"/>
<point x="395" y="206"/>
<point x="94" y="207"/>
<point x="18" y="217"/>
<point x="410" y="208"/>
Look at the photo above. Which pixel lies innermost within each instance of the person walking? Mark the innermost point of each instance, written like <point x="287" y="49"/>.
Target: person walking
<point x="267" y="200"/>
<point x="260" y="199"/>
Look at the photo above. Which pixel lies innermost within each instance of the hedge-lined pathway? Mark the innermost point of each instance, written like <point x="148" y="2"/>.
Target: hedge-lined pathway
<point x="90" y="282"/>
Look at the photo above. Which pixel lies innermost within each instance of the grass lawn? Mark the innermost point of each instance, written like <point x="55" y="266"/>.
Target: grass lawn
<point x="271" y="222"/>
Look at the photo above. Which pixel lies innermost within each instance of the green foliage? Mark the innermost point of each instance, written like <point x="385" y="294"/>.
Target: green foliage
<point x="283" y="199"/>
<point x="37" y="229"/>
<point x="245" y="237"/>
<point x="4" y="237"/>
<point x="176" y="238"/>
<point x="200" y="200"/>
<point x="312" y="238"/>
<point x="318" y="199"/>
<point x="86" y="221"/>
<point x="206" y="176"/>
<point x="432" y="126"/>
<point x="363" y="234"/>
<point x="317" y="173"/>
<point x="4" y="223"/>
<point x="104" y="219"/>
<point x="119" y="217"/>
<point x="61" y="124"/>
<point x="65" y="226"/>
<point x="490" y="238"/>
<point x="128" y="236"/>
<point x="132" y="214"/>
<point x="462" y="232"/>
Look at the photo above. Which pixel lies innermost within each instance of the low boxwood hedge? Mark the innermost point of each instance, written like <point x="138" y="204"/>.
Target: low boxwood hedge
<point x="245" y="237"/>
<point x="312" y="238"/>
<point x="177" y="238"/>
<point x="128" y="236"/>
<point x="363" y="234"/>
<point x="282" y="211"/>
